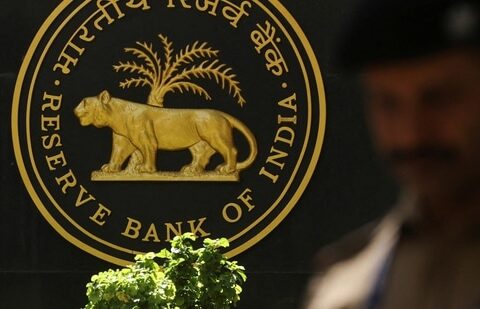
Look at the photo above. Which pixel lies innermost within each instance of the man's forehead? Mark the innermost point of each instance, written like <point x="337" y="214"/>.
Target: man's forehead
<point x="447" y="66"/>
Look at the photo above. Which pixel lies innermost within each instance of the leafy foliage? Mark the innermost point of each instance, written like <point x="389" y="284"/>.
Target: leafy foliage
<point x="141" y="285"/>
<point x="188" y="278"/>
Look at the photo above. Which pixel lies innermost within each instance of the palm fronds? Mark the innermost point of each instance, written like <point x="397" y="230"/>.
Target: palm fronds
<point x="187" y="86"/>
<point x="151" y="70"/>
<point x="169" y="78"/>
<point x="191" y="53"/>
<point x="139" y="81"/>
<point x="133" y="67"/>
<point x="213" y="70"/>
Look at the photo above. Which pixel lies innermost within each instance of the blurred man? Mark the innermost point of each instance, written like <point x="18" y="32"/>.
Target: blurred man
<point x="419" y="61"/>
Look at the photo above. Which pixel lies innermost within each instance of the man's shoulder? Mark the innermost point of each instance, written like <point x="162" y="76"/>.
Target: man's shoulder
<point x="346" y="247"/>
<point x="369" y="238"/>
<point x="347" y="270"/>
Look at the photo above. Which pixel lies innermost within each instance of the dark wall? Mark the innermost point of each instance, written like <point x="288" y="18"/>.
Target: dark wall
<point x="39" y="269"/>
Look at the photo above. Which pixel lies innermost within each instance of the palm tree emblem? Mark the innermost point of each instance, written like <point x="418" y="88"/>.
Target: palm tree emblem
<point x="177" y="73"/>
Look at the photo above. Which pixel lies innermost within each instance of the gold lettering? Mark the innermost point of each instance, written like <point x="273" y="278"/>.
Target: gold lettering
<point x="233" y="12"/>
<point x="289" y="102"/>
<point x="213" y="4"/>
<point x="263" y="36"/>
<point x="246" y="198"/>
<point x="54" y="102"/>
<point x="236" y="208"/>
<point x="183" y="2"/>
<point x="58" y="159"/>
<point x="133" y="228"/>
<point x="151" y="233"/>
<point x="272" y="159"/>
<point x="277" y="154"/>
<point x="102" y="7"/>
<point x="84" y="35"/>
<point x="281" y="119"/>
<point x="288" y="138"/>
<point x="100" y="214"/>
<point x="78" y="49"/>
<point x="50" y="141"/>
<point x="80" y="198"/>
<point x="195" y="229"/>
<point x="69" y="180"/>
<point x="275" y="62"/>
<point x="141" y="3"/>
<point x="176" y="231"/>
<point x="272" y="177"/>
<point x="65" y="66"/>
<point x="50" y="122"/>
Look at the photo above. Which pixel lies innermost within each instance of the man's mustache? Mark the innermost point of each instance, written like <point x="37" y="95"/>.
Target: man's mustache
<point x="424" y="153"/>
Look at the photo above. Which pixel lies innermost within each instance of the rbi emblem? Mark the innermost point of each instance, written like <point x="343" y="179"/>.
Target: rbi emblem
<point x="137" y="120"/>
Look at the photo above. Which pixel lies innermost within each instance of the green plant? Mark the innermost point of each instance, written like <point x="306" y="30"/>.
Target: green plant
<point x="187" y="278"/>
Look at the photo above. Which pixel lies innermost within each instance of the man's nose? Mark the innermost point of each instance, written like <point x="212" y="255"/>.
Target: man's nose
<point x="415" y="127"/>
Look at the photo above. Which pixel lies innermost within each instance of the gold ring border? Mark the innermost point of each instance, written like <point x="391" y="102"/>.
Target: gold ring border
<point x="307" y="134"/>
<point x="252" y="241"/>
<point x="16" y="143"/>
<point x="320" y="136"/>
<point x="30" y="151"/>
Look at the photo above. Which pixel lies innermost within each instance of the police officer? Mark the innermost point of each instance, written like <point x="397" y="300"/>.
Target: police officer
<point x="419" y="61"/>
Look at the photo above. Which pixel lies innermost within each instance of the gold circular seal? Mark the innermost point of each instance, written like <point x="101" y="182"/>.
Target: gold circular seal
<point x="134" y="121"/>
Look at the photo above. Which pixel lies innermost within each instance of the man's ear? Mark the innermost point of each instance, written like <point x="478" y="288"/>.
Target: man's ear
<point x="104" y="97"/>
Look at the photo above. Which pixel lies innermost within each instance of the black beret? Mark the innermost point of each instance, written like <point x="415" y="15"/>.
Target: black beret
<point x="388" y="30"/>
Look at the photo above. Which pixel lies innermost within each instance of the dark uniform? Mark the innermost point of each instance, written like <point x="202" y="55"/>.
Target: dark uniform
<point x="406" y="260"/>
<point x="401" y="262"/>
